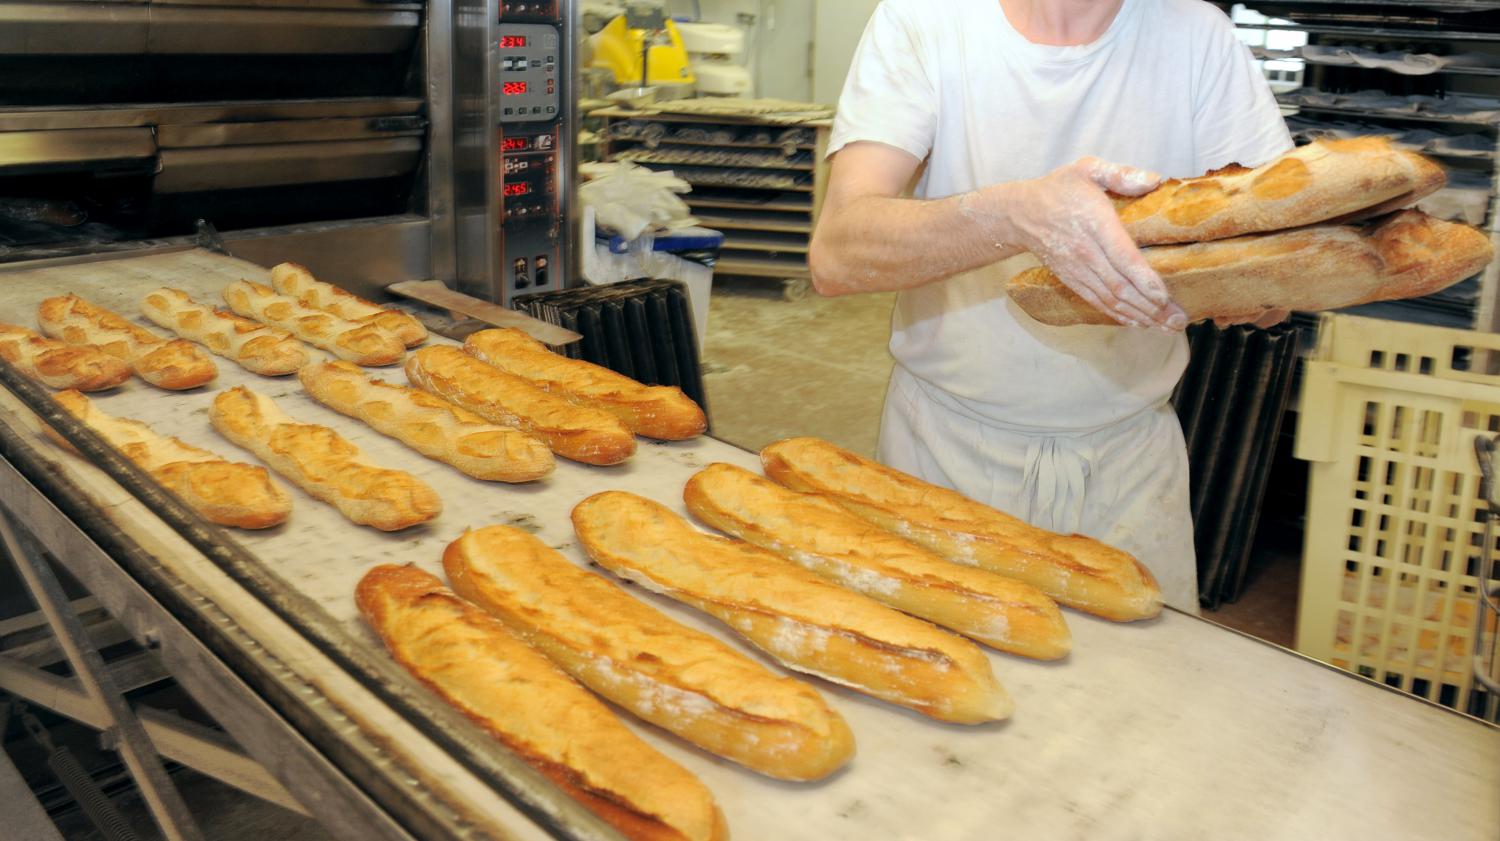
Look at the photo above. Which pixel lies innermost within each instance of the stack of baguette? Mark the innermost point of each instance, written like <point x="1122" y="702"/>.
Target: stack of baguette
<point x="1238" y="242"/>
<point x="362" y="343"/>
<point x="173" y="365"/>
<point x="478" y="664"/>
<point x="1077" y="571"/>
<point x="299" y="283"/>
<point x="223" y="492"/>
<point x="583" y="412"/>
<point x="259" y="348"/>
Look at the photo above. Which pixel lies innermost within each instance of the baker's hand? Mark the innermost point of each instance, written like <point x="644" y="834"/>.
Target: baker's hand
<point x="1266" y="318"/>
<point x="1068" y="222"/>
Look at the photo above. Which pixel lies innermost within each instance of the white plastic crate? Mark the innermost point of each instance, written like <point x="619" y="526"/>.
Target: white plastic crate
<point x="1395" y="521"/>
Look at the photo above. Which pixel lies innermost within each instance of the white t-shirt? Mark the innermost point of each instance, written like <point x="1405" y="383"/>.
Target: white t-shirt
<point x="1166" y="88"/>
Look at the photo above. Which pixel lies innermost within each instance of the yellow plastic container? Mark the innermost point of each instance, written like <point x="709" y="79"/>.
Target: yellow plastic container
<point x="619" y="50"/>
<point x="1395" y="520"/>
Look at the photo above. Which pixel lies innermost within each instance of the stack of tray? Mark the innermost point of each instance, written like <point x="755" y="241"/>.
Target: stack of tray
<point x="1231" y="402"/>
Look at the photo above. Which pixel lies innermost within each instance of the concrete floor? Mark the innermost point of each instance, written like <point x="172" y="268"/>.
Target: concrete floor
<point x="814" y="366"/>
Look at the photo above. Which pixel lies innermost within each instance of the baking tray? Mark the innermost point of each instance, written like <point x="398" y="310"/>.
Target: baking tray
<point x="1168" y="728"/>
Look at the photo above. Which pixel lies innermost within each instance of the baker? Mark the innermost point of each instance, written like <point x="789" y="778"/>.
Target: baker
<point x="1020" y="114"/>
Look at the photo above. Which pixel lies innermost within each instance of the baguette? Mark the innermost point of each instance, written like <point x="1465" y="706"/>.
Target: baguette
<point x="173" y="365"/>
<point x="1322" y="181"/>
<point x="822" y="537"/>
<point x="221" y="491"/>
<point x="805" y="622"/>
<point x="1077" y="571"/>
<point x="1406" y="255"/>
<point x="660" y="412"/>
<point x="322" y="463"/>
<point x="554" y="725"/>
<point x="59" y="364"/>
<point x="362" y="344"/>
<point x="677" y="678"/>
<point x="296" y="281"/>
<point x="575" y="432"/>
<point x="436" y="429"/>
<point x="258" y="348"/>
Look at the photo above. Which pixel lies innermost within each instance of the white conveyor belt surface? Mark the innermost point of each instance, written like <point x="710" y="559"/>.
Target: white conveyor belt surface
<point x="1169" y="729"/>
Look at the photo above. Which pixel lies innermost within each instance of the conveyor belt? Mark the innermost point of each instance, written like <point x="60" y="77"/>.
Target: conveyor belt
<point x="1127" y="738"/>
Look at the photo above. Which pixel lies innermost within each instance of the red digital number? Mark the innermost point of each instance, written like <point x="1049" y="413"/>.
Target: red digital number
<point x="512" y="42"/>
<point x="513" y="88"/>
<point x="515" y="144"/>
<point x="520" y="189"/>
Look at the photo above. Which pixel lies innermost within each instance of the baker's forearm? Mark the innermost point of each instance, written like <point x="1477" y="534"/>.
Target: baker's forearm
<point x="880" y="244"/>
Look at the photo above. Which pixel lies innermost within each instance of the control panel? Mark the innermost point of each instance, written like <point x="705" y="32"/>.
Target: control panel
<point x="532" y="137"/>
<point x="528" y="72"/>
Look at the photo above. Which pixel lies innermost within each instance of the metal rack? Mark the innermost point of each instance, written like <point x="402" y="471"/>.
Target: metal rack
<point x="1439" y="26"/>
<point x="764" y="196"/>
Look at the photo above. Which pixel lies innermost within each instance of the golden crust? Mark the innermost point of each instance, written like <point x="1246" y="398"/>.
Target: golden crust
<point x="296" y="281"/>
<point x="175" y="365"/>
<point x="258" y="348"/>
<point x="324" y="464"/>
<point x="666" y="673"/>
<point x="432" y="427"/>
<point x="1309" y="269"/>
<point x="660" y="412"/>
<point x="793" y="615"/>
<point x="1319" y="182"/>
<point x="224" y="492"/>
<point x="473" y="662"/>
<point x="1077" y="571"/>
<point x="823" y="537"/>
<point x="575" y="432"/>
<point x="362" y="344"/>
<point x="58" y="364"/>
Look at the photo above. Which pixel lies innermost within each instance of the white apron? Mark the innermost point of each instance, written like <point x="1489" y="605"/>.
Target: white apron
<point x="1125" y="484"/>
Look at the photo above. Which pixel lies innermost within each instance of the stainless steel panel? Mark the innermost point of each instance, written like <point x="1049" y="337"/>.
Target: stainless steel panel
<point x="476" y="147"/>
<point x="59" y="117"/>
<point x="73" y="28"/>
<point x="30" y="149"/>
<point x="286" y="131"/>
<point x="438" y="53"/>
<point x="347" y="812"/>
<point x="270" y="31"/>
<point x="363" y="257"/>
<point x="232" y="167"/>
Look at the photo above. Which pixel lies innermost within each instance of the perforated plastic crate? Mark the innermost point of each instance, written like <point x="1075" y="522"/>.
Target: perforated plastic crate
<point x="1395" y="522"/>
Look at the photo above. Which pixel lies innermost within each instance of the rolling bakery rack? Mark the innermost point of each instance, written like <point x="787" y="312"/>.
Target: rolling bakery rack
<point x="1425" y="73"/>
<point x="758" y="177"/>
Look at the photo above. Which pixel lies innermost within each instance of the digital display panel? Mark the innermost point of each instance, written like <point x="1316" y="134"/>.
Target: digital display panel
<point x="520" y="189"/>
<point x="515" y="144"/>
<point x="513" y="42"/>
<point x="514" y="88"/>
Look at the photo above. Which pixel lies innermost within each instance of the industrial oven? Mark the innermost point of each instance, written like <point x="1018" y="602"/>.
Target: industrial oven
<point x="373" y="140"/>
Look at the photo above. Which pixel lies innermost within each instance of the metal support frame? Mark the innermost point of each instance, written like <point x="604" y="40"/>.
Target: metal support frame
<point x="345" y="811"/>
<point x="136" y="749"/>
<point x="24" y="815"/>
